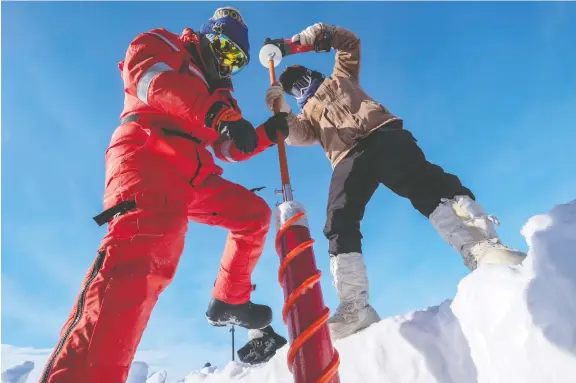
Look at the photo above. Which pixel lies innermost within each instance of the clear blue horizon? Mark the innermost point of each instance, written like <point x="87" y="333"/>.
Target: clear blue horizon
<point x="486" y="88"/>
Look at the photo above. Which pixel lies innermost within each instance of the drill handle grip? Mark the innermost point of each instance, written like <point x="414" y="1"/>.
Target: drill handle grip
<point x="323" y="43"/>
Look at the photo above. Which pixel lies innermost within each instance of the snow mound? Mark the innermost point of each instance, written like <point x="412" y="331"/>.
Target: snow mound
<point x="18" y="373"/>
<point x="158" y="377"/>
<point x="505" y="325"/>
<point x="138" y="372"/>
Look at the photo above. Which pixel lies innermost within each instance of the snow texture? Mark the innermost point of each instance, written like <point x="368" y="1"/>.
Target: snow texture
<point x="255" y="334"/>
<point x="18" y="373"/>
<point x="138" y="372"/>
<point x="505" y="325"/>
<point x="158" y="377"/>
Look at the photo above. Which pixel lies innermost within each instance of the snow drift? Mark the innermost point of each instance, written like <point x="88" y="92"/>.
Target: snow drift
<point x="18" y="373"/>
<point x="505" y="325"/>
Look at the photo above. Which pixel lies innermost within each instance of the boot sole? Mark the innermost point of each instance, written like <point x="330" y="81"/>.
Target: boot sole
<point x="359" y="330"/>
<point x="496" y="258"/>
<point x="233" y="322"/>
<point x="217" y="324"/>
<point x="371" y="318"/>
<point x="223" y="323"/>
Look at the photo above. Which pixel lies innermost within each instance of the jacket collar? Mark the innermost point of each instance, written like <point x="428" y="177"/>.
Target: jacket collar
<point x="197" y="44"/>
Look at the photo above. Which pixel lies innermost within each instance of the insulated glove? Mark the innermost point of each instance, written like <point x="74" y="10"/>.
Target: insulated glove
<point x="274" y="93"/>
<point x="242" y="134"/>
<point x="308" y="35"/>
<point x="276" y="123"/>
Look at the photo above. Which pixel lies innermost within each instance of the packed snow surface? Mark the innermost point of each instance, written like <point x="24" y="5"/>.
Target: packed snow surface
<point x="505" y="325"/>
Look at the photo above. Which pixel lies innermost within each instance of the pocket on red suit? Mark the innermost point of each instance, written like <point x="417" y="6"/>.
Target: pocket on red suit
<point x="124" y="153"/>
<point x="158" y="212"/>
<point x="149" y="165"/>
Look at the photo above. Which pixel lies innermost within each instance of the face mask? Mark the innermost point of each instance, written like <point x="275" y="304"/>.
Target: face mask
<point x="301" y="86"/>
<point x="306" y="86"/>
<point x="210" y="60"/>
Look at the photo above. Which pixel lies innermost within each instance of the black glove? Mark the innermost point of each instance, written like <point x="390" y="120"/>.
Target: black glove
<point x="260" y="350"/>
<point x="241" y="133"/>
<point x="275" y="123"/>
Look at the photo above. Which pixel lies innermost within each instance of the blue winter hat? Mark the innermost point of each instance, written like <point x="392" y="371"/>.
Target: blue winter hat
<point x="228" y="21"/>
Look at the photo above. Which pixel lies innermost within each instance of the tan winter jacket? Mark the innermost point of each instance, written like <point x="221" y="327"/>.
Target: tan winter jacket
<point x="340" y="112"/>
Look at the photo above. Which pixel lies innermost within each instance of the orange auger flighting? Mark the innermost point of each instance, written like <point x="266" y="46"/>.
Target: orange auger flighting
<point x="311" y="357"/>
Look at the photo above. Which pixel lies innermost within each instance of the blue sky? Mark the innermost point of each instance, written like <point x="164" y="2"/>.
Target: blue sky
<point x="487" y="89"/>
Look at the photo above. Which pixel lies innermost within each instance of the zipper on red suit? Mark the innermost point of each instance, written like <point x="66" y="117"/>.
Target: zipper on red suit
<point x="79" y="310"/>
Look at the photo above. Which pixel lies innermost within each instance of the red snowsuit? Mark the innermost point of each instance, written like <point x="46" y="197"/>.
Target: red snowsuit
<point x="159" y="175"/>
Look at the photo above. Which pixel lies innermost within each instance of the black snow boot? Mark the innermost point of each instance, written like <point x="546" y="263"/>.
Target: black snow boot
<point x="248" y="315"/>
<point x="261" y="347"/>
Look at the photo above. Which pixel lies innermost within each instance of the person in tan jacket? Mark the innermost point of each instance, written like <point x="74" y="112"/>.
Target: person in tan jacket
<point x="367" y="146"/>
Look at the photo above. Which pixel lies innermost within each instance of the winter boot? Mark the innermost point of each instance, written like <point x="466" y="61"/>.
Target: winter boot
<point x="248" y="315"/>
<point x="262" y="346"/>
<point x="351" y="281"/>
<point x="464" y="224"/>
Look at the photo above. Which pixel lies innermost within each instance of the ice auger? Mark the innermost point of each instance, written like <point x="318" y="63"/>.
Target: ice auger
<point x="311" y="356"/>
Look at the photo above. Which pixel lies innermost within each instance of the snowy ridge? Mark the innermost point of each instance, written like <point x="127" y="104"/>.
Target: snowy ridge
<point x="18" y="373"/>
<point x="505" y="325"/>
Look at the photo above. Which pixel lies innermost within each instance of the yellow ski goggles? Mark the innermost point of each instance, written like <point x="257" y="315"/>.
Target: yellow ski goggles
<point x="231" y="57"/>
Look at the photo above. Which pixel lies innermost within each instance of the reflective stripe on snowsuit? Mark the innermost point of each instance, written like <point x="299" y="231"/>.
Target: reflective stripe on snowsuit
<point x="155" y="183"/>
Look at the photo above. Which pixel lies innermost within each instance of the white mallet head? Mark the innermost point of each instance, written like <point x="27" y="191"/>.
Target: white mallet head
<point x="270" y="52"/>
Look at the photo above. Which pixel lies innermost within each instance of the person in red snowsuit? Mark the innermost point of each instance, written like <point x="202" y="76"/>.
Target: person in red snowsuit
<point x="159" y="175"/>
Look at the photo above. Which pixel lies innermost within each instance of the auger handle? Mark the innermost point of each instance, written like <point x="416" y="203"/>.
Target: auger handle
<point x="284" y="174"/>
